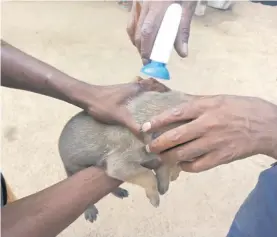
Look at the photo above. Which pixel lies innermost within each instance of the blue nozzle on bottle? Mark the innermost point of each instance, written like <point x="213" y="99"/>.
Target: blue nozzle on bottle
<point x="163" y="44"/>
<point x="156" y="70"/>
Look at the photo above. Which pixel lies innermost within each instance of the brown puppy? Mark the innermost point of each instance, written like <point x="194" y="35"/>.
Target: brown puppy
<point x="85" y="142"/>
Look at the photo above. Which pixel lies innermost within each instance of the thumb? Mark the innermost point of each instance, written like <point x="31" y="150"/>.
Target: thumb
<point x="133" y="21"/>
<point x="181" y="42"/>
<point x="125" y="118"/>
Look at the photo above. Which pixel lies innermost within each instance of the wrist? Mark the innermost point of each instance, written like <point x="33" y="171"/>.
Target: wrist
<point x="81" y="94"/>
<point x="273" y="150"/>
<point x="270" y="140"/>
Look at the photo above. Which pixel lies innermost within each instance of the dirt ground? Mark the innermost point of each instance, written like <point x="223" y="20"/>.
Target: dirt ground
<point x="229" y="52"/>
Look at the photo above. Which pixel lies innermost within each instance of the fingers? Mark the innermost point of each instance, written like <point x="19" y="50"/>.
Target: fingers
<point x="147" y="36"/>
<point x="140" y="23"/>
<point x="184" y="112"/>
<point x="190" y="151"/>
<point x="181" y="42"/>
<point x="178" y="136"/>
<point x="133" y="21"/>
<point x="150" y="28"/>
<point x="205" y="162"/>
<point x="152" y="84"/>
<point x="145" y="22"/>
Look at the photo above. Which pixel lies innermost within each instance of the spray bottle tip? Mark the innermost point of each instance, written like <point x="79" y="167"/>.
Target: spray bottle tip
<point x="156" y="70"/>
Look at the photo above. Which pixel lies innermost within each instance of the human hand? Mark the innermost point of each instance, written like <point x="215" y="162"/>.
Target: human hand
<point x="217" y="130"/>
<point x="145" y="21"/>
<point x="109" y="103"/>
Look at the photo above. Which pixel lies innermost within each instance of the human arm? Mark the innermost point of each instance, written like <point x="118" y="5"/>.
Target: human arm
<point x="145" y="21"/>
<point x="217" y="130"/>
<point x="22" y="71"/>
<point x="48" y="212"/>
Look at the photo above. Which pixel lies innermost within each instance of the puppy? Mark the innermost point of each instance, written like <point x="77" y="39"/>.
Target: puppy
<point x="85" y="142"/>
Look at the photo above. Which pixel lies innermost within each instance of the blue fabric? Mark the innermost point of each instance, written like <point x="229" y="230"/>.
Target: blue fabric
<point x="4" y="196"/>
<point x="268" y="3"/>
<point x="257" y="216"/>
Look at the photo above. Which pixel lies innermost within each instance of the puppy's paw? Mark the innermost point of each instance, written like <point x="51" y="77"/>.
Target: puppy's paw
<point x="91" y="213"/>
<point x="120" y="193"/>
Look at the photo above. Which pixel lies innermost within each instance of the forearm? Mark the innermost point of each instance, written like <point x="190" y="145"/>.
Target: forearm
<point x="22" y="71"/>
<point x="48" y="212"/>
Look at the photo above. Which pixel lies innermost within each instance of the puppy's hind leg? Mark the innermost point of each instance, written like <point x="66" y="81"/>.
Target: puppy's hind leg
<point x="147" y="180"/>
<point x="120" y="168"/>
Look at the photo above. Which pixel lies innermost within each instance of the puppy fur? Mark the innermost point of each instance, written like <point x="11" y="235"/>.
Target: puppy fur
<point x="85" y="142"/>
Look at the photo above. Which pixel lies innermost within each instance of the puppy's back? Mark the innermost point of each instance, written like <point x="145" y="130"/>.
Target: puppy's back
<point x="149" y="104"/>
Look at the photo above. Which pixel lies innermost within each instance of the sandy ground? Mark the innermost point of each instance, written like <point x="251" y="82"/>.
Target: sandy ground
<point x="232" y="52"/>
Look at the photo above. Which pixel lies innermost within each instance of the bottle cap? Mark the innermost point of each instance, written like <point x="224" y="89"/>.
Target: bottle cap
<point x="156" y="70"/>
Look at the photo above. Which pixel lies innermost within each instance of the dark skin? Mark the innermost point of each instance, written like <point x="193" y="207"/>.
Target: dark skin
<point x="24" y="72"/>
<point x="145" y="20"/>
<point x="37" y="215"/>
<point x="217" y="130"/>
<point x="48" y="212"/>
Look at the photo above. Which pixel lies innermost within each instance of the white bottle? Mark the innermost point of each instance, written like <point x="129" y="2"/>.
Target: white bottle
<point x="164" y="43"/>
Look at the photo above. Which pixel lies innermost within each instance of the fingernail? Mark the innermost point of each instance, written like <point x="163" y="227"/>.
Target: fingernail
<point x="146" y="127"/>
<point x="145" y="61"/>
<point x="147" y="148"/>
